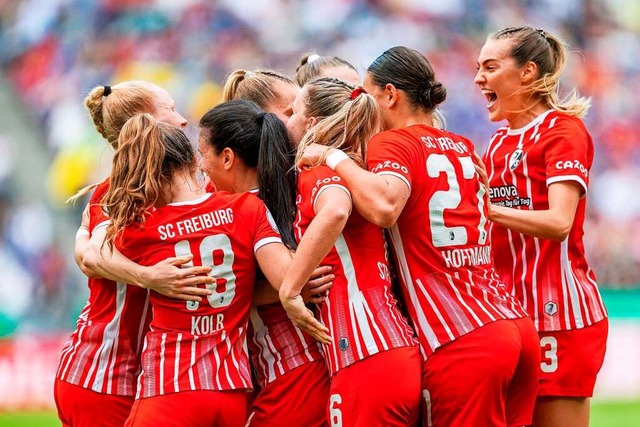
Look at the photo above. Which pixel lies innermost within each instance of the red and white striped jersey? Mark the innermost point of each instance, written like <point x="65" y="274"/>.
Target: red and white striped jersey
<point x="440" y="240"/>
<point x="361" y="311"/>
<point x="103" y="354"/>
<point x="276" y="345"/>
<point x="551" y="279"/>
<point x="191" y="345"/>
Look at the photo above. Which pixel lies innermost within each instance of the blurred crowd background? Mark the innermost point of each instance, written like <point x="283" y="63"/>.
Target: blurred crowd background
<point x="53" y="52"/>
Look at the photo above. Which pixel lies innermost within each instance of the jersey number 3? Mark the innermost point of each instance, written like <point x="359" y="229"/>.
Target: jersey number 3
<point x="216" y="252"/>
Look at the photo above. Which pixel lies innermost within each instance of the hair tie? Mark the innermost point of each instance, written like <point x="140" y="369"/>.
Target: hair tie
<point x="541" y="32"/>
<point x="312" y="57"/>
<point x="107" y="90"/>
<point x="261" y="117"/>
<point x="248" y="74"/>
<point x="356" y="92"/>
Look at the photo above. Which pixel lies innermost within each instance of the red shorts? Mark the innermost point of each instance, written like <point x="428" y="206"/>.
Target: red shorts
<point x="297" y="398"/>
<point x="206" y="408"/>
<point x="79" y="406"/>
<point x="487" y="377"/>
<point x="571" y="360"/>
<point x="381" y="390"/>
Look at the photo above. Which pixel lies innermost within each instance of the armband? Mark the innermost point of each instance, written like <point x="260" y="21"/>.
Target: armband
<point x="82" y="231"/>
<point x="334" y="158"/>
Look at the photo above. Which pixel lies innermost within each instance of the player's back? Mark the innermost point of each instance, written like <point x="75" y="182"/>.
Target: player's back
<point x="201" y="345"/>
<point x="440" y="239"/>
<point x="103" y="353"/>
<point x="360" y="310"/>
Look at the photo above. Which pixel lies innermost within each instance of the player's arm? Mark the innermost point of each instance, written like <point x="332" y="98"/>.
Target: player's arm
<point x="167" y="277"/>
<point x="378" y="198"/>
<point x="314" y="291"/>
<point x="333" y="207"/>
<point x="82" y="243"/>
<point x="554" y="223"/>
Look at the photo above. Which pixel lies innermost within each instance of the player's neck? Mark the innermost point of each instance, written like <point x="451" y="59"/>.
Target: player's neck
<point x="184" y="187"/>
<point x="407" y="115"/>
<point x="246" y="180"/>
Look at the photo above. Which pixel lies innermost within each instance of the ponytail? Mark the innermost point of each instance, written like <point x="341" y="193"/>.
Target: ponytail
<point x="110" y="107"/>
<point x="149" y="154"/>
<point x="261" y="142"/>
<point x="351" y="117"/>
<point x="277" y="178"/>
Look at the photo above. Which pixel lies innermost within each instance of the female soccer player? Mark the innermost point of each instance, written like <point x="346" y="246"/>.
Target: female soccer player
<point x="100" y="361"/>
<point x="538" y="173"/>
<point x="479" y="347"/>
<point x="288" y="364"/>
<point x="372" y="343"/>
<point x="314" y="66"/>
<point x="272" y="91"/>
<point x="195" y="367"/>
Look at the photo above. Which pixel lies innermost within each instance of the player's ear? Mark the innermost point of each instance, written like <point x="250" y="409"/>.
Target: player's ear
<point x="228" y="158"/>
<point x="529" y="73"/>
<point x="390" y="95"/>
<point x="311" y="122"/>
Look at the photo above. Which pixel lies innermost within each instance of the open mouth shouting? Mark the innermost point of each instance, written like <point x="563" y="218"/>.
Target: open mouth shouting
<point x="491" y="97"/>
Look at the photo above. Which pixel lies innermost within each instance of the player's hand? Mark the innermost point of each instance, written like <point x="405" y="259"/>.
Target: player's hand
<point x="172" y="279"/>
<point x="316" y="290"/>
<point x="85" y="216"/>
<point x="481" y="170"/>
<point x="313" y="155"/>
<point x="303" y="318"/>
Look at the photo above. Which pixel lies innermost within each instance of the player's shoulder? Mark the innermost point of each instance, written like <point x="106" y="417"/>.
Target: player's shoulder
<point x="557" y="121"/>
<point x="245" y="204"/>
<point x="99" y="191"/>
<point x="399" y="135"/>
<point x="313" y="174"/>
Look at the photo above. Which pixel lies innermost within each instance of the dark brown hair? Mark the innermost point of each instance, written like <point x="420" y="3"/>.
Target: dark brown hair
<point x="408" y="70"/>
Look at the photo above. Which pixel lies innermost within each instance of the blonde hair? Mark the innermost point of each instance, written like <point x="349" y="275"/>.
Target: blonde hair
<point x="111" y="111"/>
<point x="149" y="153"/>
<point x="549" y="54"/>
<point x="311" y="67"/>
<point x="256" y="86"/>
<point x="348" y="118"/>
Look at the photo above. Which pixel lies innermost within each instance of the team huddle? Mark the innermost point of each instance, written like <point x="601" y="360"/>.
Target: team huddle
<point x="331" y="255"/>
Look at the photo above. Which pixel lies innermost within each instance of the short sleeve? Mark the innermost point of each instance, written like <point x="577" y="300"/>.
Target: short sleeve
<point x="391" y="153"/>
<point x="568" y="153"/>
<point x="315" y="181"/>
<point x="266" y="230"/>
<point x="97" y="213"/>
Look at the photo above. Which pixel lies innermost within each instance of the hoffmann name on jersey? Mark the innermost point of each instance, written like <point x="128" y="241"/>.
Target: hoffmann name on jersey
<point x="453" y="257"/>
<point x="441" y="238"/>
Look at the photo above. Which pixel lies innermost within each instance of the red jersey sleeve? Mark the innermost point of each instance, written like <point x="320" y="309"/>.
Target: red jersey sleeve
<point x="393" y="153"/>
<point x="97" y="213"/>
<point x="568" y="152"/>
<point x="265" y="227"/>
<point x="316" y="180"/>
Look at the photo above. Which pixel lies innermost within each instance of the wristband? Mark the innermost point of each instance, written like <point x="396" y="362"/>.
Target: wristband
<point x="82" y="231"/>
<point x="334" y="158"/>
